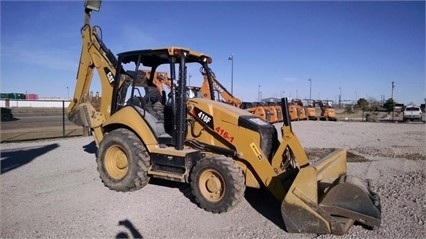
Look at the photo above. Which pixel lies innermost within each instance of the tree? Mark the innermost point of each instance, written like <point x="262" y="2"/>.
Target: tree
<point x="362" y="104"/>
<point x="389" y="105"/>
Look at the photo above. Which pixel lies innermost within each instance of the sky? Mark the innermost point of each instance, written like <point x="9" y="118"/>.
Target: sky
<point x="355" y="49"/>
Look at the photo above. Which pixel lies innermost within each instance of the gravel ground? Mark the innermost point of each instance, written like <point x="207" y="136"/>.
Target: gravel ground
<point x="51" y="189"/>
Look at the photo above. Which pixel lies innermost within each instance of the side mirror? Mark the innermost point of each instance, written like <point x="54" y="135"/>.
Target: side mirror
<point x="93" y="4"/>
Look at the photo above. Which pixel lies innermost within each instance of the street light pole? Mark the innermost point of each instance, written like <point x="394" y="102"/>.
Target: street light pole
<point x="310" y="90"/>
<point x="231" y="58"/>
<point x="189" y="80"/>
<point x="393" y="108"/>
<point x="340" y="96"/>
<point x="393" y="86"/>
<point x="68" y="92"/>
<point x="259" y="94"/>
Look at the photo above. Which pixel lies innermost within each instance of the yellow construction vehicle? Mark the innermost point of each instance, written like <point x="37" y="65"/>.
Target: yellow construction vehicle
<point x="292" y="111"/>
<point x="278" y="111"/>
<point x="273" y="110"/>
<point x="216" y="148"/>
<point x="301" y="114"/>
<point x="309" y="111"/>
<point x="327" y="110"/>
<point x="257" y="109"/>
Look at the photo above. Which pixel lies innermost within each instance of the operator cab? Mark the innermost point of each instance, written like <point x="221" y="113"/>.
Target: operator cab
<point x="134" y="88"/>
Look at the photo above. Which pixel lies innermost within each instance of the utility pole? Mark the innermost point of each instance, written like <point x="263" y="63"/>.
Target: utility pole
<point x="393" y="86"/>
<point x="231" y="58"/>
<point x="340" y="97"/>
<point x="310" y="90"/>
<point x="393" y="110"/>
<point x="259" y="94"/>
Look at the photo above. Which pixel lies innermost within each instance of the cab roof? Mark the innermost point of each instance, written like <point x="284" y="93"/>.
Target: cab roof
<point x="158" y="56"/>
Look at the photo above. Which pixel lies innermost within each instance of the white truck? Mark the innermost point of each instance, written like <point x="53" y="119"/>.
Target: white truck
<point x="412" y="113"/>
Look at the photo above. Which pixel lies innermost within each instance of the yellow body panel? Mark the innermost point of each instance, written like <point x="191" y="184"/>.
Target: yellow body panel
<point x="311" y="112"/>
<point x="128" y="117"/>
<point x="274" y="113"/>
<point x="293" y="113"/>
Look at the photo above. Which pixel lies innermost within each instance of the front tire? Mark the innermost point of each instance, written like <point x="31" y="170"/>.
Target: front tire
<point x="217" y="184"/>
<point x="123" y="161"/>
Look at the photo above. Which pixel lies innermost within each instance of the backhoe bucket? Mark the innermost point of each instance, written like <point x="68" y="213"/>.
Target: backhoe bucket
<point x="324" y="200"/>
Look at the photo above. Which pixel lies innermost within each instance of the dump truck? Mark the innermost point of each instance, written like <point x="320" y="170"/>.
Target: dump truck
<point x="216" y="148"/>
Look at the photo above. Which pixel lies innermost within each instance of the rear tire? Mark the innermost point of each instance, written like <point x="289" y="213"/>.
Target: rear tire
<point x="217" y="184"/>
<point x="123" y="161"/>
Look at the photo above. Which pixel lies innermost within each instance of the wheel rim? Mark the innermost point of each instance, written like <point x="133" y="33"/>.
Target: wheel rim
<point x="116" y="162"/>
<point x="212" y="185"/>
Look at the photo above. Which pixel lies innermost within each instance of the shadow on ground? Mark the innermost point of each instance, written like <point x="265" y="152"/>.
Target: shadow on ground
<point x="90" y="148"/>
<point x="13" y="159"/>
<point x="129" y="227"/>
<point x="184" y="188"/>
<point x="266" y="204"/>
<point x="260" y="199"/>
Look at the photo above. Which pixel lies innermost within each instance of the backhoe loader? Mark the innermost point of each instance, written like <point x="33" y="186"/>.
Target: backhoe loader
<point x="301" y="113"/>
<point x="327" y="111"/>
<point x="292" y="108"/>
<point x="257" y="109"/>
<point x="310" y="111"/>
<point x="278" y="111"/>
<point x="216" y="148"/>
<point x="274" y="112"/>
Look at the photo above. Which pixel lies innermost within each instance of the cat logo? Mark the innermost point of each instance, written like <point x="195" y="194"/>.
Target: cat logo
<point x="218" y="87"/>
<point x="109" y="75"/>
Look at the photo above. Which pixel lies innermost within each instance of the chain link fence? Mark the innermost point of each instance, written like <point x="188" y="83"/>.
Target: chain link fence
<point x="34" y="120"/>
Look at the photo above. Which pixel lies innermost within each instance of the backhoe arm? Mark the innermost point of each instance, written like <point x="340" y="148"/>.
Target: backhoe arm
<point x="224" y="93"/>
<point x="94" y="54"/>
<point x="159" y="79"/>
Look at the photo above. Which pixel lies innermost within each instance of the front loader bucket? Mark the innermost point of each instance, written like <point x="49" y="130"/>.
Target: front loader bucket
<point x="324" y="200"/>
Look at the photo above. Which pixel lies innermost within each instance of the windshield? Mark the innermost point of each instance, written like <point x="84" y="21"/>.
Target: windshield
<point x="412" y="109"/>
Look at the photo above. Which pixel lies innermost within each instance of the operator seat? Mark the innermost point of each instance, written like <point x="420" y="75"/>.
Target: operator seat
<point x="137" y="101"/>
